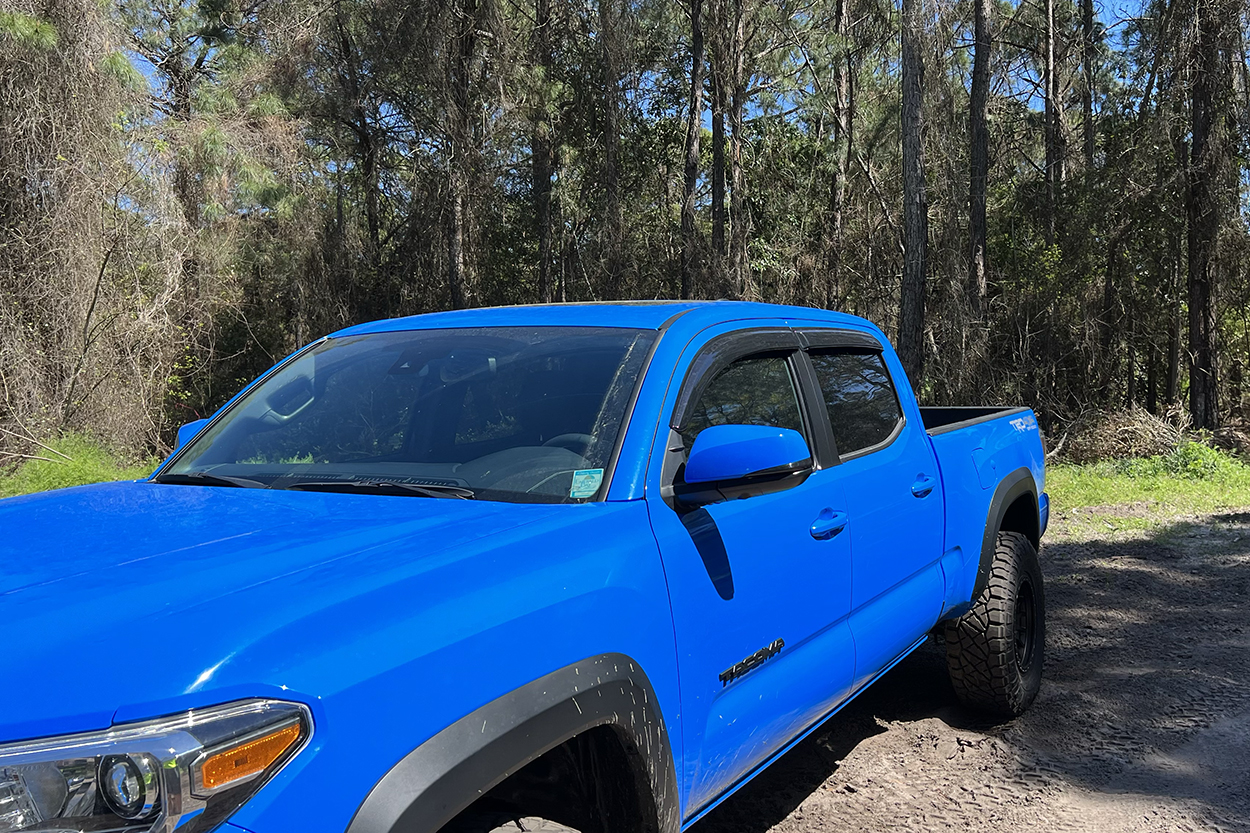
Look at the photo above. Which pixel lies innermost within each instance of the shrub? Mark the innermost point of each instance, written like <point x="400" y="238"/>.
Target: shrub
<point x="1190" y="460"/>
<point x="1126" y="434"/>
<point x="84" y="461"/>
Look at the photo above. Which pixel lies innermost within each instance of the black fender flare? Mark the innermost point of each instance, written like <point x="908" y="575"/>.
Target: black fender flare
<point x="1010" y="488"/>
<point x="451" y="770"/>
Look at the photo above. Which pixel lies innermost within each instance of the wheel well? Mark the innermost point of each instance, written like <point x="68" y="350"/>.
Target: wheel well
<point x="594" y="782"/>
<point x="1021" y="516"/>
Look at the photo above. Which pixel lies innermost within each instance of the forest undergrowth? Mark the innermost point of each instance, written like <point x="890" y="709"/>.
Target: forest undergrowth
<point x="1131" y="459"/>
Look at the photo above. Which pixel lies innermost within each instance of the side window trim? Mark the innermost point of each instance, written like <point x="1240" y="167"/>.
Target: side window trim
<point x="812" y="402"/>
<point x="718" y="354"/>
<point x="888" y="441"/>
<point x="721" y="352"/>
<point x="851" y="341"/>
<point x="826" y="339"/>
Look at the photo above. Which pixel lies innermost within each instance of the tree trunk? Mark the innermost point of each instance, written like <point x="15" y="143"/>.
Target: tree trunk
<point x="366" y="146"/>
<point x="915" y="210"/>
<point x="1235" y="381"/>
<point x="1172" y="391"/>
<point x="843" y="79"/>
<point x="185" y="189"/>
<point x="978" y="114"/>
<point x="694" y="127"/>
<point x="720" y="216"/>
<point x="1203" y="222"/>
<point x="1051" y="138"/>
<point x="720" y="83"/>
<point x="744" y="287"/>
<point x="1087" y="91"/>
<point x="463" y="46"/>
<point x="544" y="161"/>
<point x="1109" y="320"/>
<point x="1176" y="280"/>
<point x="612" y="221"/>
<point x="456" y="281"/>
<point x="1152" y="378"/>
<point x="369" y="170"/>
<point x="1130" y="396"/>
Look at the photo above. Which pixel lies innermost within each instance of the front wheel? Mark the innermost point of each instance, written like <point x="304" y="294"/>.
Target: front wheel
<point x="496" y="822"/>
<point x="994" y="651"/>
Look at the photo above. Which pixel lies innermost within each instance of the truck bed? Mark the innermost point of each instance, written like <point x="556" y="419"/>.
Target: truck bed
<point x="978" y="449"/>
<point x="939" y="420"/>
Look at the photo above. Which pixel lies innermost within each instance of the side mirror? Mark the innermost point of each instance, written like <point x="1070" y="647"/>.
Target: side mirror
<point x="728" y="453"/>
<point x="186" y="432"/>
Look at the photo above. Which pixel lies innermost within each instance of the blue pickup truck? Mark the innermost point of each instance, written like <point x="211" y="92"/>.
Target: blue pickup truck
<point x="575" y="567"/>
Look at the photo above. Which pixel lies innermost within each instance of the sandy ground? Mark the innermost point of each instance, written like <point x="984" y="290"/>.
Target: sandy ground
<point x="1143" y="722"/>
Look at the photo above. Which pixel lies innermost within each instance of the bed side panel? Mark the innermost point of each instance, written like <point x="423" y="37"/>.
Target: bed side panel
<point x="975" y="462"/>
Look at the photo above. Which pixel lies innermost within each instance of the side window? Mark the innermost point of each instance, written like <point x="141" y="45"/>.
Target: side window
<point x="863" y="407"/>
<point x="758" y="390"/>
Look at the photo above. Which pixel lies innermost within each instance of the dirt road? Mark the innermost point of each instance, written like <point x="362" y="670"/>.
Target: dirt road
<point x="1143" y="722"/>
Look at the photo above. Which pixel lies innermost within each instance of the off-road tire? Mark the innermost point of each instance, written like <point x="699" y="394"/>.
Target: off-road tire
<point x="493" y="822"/>
<point x="994" y="651"/>
<point x="532" y="824"/>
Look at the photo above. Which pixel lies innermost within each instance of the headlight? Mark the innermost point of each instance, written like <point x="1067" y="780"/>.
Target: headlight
<point x="187" y="772"/>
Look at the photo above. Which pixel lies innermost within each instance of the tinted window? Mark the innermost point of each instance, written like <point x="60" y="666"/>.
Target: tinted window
<point x="863" y="407"/>
<point x="753" y="391"/>
<point x="507" y="413"/>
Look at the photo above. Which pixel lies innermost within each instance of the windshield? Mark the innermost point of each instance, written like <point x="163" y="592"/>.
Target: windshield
<point x="520" y="414"/>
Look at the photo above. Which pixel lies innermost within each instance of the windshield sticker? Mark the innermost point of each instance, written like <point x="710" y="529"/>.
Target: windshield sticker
<point x="586" y="482"/>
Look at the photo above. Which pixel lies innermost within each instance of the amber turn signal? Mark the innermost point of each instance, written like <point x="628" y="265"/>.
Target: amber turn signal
<point x="251" y="758"/>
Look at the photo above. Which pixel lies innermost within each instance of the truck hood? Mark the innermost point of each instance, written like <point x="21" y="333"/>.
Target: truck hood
<point x="117" y="599"/>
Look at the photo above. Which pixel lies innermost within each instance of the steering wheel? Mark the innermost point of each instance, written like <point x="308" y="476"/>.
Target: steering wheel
<point x="576" y="443"/>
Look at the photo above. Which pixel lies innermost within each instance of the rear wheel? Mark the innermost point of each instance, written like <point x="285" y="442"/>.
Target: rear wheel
<point x="994" y="651"/>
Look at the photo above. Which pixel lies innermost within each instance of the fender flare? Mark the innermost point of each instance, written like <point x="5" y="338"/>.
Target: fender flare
<point x="447" y="773"/>
<point x="1010" y="488"/>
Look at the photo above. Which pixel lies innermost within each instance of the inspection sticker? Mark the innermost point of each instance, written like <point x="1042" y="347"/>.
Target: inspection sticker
<point x="586" y="482"/>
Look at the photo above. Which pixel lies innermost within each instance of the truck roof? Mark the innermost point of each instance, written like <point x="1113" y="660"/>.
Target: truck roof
<point x="645" y="315"/>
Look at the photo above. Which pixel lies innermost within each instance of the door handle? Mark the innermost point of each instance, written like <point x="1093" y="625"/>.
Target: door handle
<point x="923" y="485"/>
<point x="828" y="524"/>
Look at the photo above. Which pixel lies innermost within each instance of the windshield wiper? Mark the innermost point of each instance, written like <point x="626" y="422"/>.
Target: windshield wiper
<point x="426" y="490"/>
<point x="203" y="478"/>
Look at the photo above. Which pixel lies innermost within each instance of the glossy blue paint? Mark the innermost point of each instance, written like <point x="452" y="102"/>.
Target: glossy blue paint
<point x="729" y="452"/>
<point x="1009" y="442"/>
<point x="188" y="431"/>
<point x="897" y="539"/>
<point x="784" y="585"/>
<point x="371" y="609"/>
<point x="393" y="617"/>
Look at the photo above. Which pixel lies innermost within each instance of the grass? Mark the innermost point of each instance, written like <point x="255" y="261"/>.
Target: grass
<point x="1193" y="479"/>
<point x="76" y="460"/>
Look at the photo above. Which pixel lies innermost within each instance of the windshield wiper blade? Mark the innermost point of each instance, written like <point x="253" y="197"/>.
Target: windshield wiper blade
<point x="203" y="478"/>
<point x="425" y="490"/>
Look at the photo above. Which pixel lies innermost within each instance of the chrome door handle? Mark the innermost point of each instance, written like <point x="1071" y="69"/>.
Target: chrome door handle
<point x="923" y="485"/>
<point x="828" y="524"/>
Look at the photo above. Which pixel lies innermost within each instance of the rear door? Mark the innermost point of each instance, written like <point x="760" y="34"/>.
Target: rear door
<point x="893" y="491"/>
<point x="760" y="605"/>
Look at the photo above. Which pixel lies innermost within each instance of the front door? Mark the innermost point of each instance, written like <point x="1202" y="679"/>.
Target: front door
<point x="760" y="586"/>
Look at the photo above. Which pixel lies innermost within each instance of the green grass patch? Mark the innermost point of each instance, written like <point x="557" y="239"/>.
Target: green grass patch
<point x="79" y="460"/>
<point x="1194" y="478"/>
